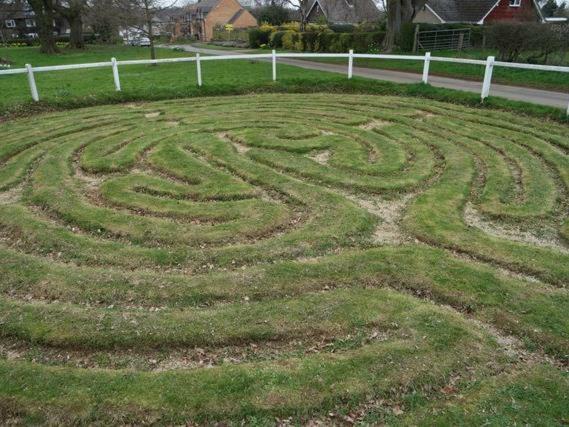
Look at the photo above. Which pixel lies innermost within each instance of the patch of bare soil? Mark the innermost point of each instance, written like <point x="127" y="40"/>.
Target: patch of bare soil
<point x="241" y="148"/>
<point x="187" y="358"/>
<point x="12" y="195"/>
<point x="91" y="181"/>
<point x="506" y="231"/>
<point x="389" y="231"/>
<point x="421" y="114"/>
<point x="322" y="157"/>
<point x="374" y="124"/>
<point x="512" y="346"/>
<point x="133" y="105"/>
<point x="152" y="115"/>
<point x="502" y="270"/>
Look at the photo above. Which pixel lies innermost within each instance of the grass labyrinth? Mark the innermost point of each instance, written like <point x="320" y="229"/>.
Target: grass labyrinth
<point x="304" y="257"/>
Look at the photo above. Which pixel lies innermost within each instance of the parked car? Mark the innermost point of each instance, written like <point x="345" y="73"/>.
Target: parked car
<point x="138" y="41"/>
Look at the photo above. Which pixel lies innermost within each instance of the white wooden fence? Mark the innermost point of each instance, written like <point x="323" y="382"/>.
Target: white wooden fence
<point x="489" y="64"/>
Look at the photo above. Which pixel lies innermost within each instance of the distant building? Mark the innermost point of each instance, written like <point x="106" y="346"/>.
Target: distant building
<point x="479" y="11"/>
<point x="17" y="21"/>
<point x="343" y="11"/>
<point x="205" y="15"/>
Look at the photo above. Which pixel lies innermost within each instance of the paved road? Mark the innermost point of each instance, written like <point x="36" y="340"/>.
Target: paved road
<point x="536" y="96"/>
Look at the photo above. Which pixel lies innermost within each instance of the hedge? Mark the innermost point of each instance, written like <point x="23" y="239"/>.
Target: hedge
<point x="326" y="41"/>
<point x="60" y="40"/>
<point x="259" y="37"/>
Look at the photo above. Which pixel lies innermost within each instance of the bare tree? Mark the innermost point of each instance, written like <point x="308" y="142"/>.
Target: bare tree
<point x="302" y="7"/>
<point x="104" y="19"/>
<point x="44" y="16"/>
<point x="73" y="11"/>
<point x="6" y="13"/>
<point x="399" y="12"/>
<point x="140" y="15"/>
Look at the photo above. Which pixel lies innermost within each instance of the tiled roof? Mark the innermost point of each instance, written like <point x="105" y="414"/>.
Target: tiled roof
<point x="204" y="6"/>
<point x="348" y="11"/>
<point x="461" y="10"/>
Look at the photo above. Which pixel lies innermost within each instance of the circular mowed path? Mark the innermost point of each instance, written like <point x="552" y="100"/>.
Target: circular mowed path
<point x="275" y="258"/>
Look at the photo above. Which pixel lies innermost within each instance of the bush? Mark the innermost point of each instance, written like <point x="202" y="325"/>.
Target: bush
<point x="343" y="42"/>
<point x="323" y="40"/>
<point x="551" y="39"/>
<point x="290" y="26"/>
<point x="292" y="40"/>
<point x="316" y="28"/>
<point x="272" y="14"/>
<point x="343" y="28"/>
<point x="60" y="40"/>
<point x="538" y="41"/>
<point x="260" y="36"/>
<point x="510" y="40"/>
<point x="238" y="34"/>
<point x="276" y="39"/>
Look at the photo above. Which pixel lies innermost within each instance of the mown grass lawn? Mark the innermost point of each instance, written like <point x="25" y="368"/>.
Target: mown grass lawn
<point x="142" y="80"/>
<point x="517" y="77"/>
<point x="555" y="81"/>
<point x="87" y="87"/>
<point x="298" y="258"/>
<point x="313" y="257"/>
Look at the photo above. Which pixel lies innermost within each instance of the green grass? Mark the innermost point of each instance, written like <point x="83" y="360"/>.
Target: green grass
<point x="141" y="80"/>
<point x="509" y="76"/>
<point x="68" y="89"/>
<point x="550" y="80"/>
<point x="312" y="256"/>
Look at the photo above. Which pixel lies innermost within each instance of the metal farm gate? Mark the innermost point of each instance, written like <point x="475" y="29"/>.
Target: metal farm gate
<point x="432" y="40"/>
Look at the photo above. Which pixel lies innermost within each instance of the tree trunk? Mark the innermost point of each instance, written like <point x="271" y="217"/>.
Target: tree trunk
<point x="43" y="10"/>
<point x="148" y="17"/>
<point x="73" y="13"/>
<point x="399" y="12"/>
<point x="76" y="31"/>
<point x="151" y="38"/>
<point x="302" y="12"/>
<point x="393" y="25"/>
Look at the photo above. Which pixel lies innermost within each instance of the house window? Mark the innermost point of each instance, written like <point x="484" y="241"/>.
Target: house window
<point x="10" y="23"/>
<point x="30" y="23"/>
<point x="515" y="3"/>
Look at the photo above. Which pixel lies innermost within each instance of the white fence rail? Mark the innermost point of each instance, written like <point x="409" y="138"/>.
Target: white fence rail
<point x="489" y="64"/>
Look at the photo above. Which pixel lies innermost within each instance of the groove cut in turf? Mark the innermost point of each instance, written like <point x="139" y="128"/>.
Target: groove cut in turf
<point x="331" y="254"/>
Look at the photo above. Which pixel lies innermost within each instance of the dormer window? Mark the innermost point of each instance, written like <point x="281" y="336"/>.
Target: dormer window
<point x="515" y="3"/>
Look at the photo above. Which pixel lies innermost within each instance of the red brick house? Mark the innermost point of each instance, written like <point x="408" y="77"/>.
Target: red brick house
<point x="479" y="11"/>
<point x="205" y="15"/>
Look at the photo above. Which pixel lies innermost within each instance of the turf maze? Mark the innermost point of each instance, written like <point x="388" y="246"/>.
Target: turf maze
<point x="276" y="255"/>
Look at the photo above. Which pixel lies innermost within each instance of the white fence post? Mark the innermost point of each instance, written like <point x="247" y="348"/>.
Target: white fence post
<point x="274" y="65"/>
<point x="350" y="63"/>
<point x="487" y="77"/>
<point x="426" y="67"/>
<point x="116" y="74"/>
<point x="199" y="69"/>
<point x="32" y="83"/>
